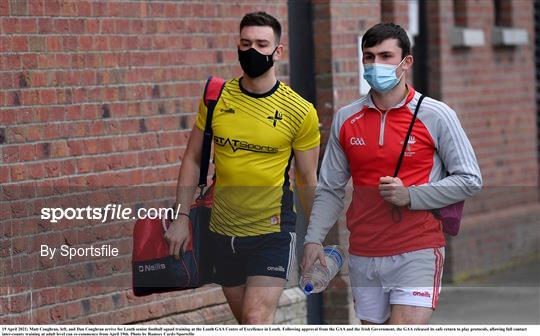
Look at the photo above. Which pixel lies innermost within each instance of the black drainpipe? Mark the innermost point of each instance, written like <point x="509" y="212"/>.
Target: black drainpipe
<point x="302" y="80"/>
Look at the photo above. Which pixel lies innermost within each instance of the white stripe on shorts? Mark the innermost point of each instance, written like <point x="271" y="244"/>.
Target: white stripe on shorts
<point x="292" y="246"/>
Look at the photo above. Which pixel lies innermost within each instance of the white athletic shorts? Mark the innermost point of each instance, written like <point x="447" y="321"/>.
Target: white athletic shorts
<point x="412" y="278"/>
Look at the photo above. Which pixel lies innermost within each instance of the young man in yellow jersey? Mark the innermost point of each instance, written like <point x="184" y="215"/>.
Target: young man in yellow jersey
<point x="259" y="125"/>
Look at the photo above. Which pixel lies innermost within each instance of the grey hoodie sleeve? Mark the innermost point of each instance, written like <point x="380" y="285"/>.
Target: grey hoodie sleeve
<point x="333" y="178"/>
<point x="454" y="149"/>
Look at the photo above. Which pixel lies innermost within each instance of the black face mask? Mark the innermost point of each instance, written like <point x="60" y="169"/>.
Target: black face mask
<point x="254" y="63"/>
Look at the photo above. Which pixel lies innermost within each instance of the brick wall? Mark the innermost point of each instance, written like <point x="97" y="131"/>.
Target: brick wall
<point x="492" y="89"/>
<point x="395" y="11"/>
<point x="96" y="95"/>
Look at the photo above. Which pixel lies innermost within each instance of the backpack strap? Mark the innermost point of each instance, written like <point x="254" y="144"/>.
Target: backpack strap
<point x="408" y="135"/>
<point x="212" y="92"/>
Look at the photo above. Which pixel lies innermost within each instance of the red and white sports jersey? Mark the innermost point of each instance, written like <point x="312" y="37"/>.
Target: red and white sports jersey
<point x="365" y="145"/>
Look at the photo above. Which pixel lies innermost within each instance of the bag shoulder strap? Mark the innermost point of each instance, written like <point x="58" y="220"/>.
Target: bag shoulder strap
<point x="212" y="89"/>
<point x="212" y="92"/>
<point x="408" y="135"/>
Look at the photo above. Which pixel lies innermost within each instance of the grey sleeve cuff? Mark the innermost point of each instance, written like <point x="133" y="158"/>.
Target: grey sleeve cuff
<point x="415" y="201"/>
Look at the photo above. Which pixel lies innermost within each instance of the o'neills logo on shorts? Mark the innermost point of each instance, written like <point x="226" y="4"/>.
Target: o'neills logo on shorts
<point x="150" y="268"/>
<point x="423" y="294"/>
<point x="276" y="269"/>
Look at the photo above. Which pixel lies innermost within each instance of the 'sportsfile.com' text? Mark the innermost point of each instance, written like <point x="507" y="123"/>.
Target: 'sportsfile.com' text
<point x="108" y="212"/>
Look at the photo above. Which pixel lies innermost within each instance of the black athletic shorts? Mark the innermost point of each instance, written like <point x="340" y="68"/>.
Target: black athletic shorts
<point x="240" y="257"/>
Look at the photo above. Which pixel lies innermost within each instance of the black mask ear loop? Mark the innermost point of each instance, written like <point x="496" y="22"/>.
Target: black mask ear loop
<point x="272" y="54"/>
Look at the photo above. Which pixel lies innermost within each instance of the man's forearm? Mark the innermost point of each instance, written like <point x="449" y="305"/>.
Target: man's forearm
<point x="187" y="185"/>
<point x="305" y="186"/>
<point x="327" y="206"/>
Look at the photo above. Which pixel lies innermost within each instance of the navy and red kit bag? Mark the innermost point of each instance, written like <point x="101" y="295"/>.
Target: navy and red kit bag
<point x="154" y="269"/>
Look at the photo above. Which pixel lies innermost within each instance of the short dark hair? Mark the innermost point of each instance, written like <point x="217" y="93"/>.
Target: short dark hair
<point x="262" y="19"/>
<point x="383" y="31"/>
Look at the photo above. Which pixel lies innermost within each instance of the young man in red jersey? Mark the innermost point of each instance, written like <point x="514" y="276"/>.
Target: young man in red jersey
<point x="396" y="243"/>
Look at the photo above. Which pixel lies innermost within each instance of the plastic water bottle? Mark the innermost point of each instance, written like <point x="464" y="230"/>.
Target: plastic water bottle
<point x="317" y="278"/>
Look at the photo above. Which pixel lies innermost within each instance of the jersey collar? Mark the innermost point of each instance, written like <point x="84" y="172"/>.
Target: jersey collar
<point x="258" y="95"/>
<point x="403" y="102"/>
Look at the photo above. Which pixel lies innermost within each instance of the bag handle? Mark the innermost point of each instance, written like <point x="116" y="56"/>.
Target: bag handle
<point x="212" y="92"/>
<point x="408" y="135"/>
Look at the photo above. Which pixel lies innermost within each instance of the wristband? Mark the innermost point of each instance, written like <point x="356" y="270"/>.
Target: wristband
<point x="183" y="214"/>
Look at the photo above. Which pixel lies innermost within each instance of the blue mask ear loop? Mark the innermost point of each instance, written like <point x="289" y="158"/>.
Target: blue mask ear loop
<point x="402" y="72"/>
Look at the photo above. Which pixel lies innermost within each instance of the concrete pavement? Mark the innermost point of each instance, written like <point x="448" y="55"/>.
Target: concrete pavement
<point x="509" y="297"/>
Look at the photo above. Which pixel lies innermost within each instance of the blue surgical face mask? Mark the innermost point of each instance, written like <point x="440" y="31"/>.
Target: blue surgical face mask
<point x="382" y="77"/>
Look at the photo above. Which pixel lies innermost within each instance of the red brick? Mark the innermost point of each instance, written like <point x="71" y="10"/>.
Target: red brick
<point x="84" y="8"/>
<point x="4" y="8"/>
<point x="52" y="132"/>
<point x="11" y="25"/>
<point x="13" y="62"/>
<point x="43" y="150"/>
<point x="85" y="165"/>
<point x="68" y="167"/>
<point x="34" y="133"/>
<point x="6" y="81"/>
<point x="4" y="174"/>
<point x="70" y="43"/>
<point x="27" y="152"/>
<point x="101" y="43"/>
<point x="28" y="97"/>
<point x="10" y="154"/>
<point x="47" y="97"/>
<point x="62" y="60"/>
<point x="28" y="25"/>
<point x="53" y="8"/>
<point x="54" y="43"/>
<point x="45" y="25"/>
<point x="59" y="149"/>
<point x="85" y="43"/>
<point x="36" y="7"/>
<point x="44" y="61"/>
<point x="36" y="43"/>
<point x="24" y="116"/>
<point x="37" y="79"/>
<point x="58" y="313"/>
<point x="45" y="296"/>
<point x="5" y="44"/>
<point x="76" y="26"/>
<point x="16" y="134"/>
<point x="19" y="44"/>
<point x="18" y="172"/>
<point x="52" y="169"/>
<point x="92" y="26"/>
<point x="16" y="304"/>
<point x="29" y="61"/>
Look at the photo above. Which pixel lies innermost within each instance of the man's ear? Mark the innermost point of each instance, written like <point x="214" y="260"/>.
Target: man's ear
<point x="279" y="52"/>
<point x="407" y="64"/>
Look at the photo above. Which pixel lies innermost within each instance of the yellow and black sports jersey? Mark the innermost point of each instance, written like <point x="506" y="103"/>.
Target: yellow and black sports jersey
<point x="254" y="138"/>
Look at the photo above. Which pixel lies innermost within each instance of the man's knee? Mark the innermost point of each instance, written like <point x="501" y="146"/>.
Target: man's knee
<point x="257" y="316"/>
<point x="366" y="322"/>
<point x="406" y="319"/>
<point x="410" y="315"/>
